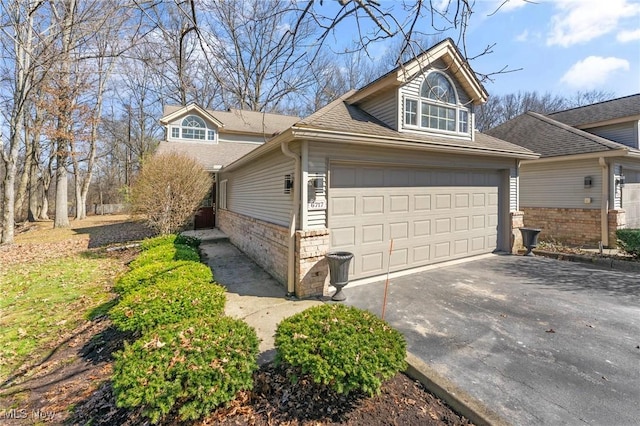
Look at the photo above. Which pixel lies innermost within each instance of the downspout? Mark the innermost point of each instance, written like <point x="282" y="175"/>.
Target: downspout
<point x="604" y="212"/>
<point x="291" y="271"/>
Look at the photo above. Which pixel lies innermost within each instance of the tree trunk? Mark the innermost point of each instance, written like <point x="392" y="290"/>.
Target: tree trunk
<point x="8" y="198"/>
<point x="62" y="209"/>
<point x="34" y="183"/>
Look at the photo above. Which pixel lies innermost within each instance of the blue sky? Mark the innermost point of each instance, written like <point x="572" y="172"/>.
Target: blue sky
<point x="562" y="46"/>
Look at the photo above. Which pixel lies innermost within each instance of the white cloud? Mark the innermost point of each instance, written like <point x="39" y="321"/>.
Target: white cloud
<point x="523" y="36"/>
<point x="578" y="21"/>
<point x="507" y="5"/>
<point x="627" y="36"/>
<point x="593" y="71"/>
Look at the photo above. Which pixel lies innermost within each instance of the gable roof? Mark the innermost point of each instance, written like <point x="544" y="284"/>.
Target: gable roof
<point x="211" y="156"/>
<point x="614" y="109"/>
<point x="235" y="120"/>
<point x="552" y="138"/>
<point x="448" y="52"/>
<point x="340" y="122"/>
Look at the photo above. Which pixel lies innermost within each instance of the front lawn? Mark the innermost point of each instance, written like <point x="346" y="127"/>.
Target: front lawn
<point x="43" y="301"/>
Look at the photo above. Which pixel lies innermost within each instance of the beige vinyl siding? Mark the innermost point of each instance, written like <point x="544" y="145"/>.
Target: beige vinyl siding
<point x="317" y="219"/>
<point x="257" y="189"/>
<point x="560" y="184"/>
<point x="513" y="189"/>
<point x="384" y="107"/>
<point x="624" y="133"/>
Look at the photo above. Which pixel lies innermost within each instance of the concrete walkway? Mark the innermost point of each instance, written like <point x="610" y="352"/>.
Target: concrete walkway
<point x="257" y="298"/>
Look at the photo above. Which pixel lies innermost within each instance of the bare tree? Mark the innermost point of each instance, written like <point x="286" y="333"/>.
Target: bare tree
<point x="502" y="108"/>
<point x="23" y="43"/>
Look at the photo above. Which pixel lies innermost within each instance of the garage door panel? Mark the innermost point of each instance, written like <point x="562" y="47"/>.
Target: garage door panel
<point x="428" y="224"/>
<point x="343" y="237"/>
<point x="399" y="204"/>
<point x="372" y="234"/>
<point x="343" y="206"/>
<point x="372" y="204"/>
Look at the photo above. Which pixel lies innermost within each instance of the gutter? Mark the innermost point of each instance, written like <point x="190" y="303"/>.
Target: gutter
<point x="284" y="146"/>
<point x="604" y="211"/>
<point x="623" y="152"/>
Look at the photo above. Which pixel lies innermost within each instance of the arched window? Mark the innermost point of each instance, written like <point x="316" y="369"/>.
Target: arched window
<point x="194" y="128"/>
<point x="438" y="107"/>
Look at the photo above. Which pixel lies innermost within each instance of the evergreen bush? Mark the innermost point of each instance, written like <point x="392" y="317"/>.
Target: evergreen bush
<point x="167" y="302"/>
<point x="163" y="271"/>
<point x="164" y="253"/>
<point x="193" y="367"/>
<point x="629" y="241"/>
<point x="345" y="348"/>
<point x="149" y="243"/>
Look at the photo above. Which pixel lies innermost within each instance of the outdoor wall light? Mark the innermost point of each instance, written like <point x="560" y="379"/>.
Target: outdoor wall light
<point x="588" y="182"/>
<point x="316" y="183"/>
<point x="288" y="184"/>
<point x="620" y="181"/>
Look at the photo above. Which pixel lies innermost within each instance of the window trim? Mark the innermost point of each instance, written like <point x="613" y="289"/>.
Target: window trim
<point x="184" y="133"/>
<point x="222" y="195"/>
<point x="428" y="103"/>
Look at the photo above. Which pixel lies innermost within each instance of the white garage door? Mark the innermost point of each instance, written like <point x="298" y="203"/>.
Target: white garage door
<point x="432" y="215"/>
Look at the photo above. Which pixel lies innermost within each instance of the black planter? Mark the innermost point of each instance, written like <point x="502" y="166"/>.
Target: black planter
<point x="530" y="239"/>
<point x="339" y="271"/>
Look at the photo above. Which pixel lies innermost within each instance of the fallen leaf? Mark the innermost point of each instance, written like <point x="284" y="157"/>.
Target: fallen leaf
<point x="551" y="330"/>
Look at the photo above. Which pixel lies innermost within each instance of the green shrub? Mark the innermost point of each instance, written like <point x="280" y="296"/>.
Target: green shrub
<point x="193" y="366"/>
<point x="629" y="241"/>
<point x="165" y="253"/>
<point x="149" y="243"/>
<point x="167" y="302"/>
<point x="164" y="271"/>
<point x="161" y="240"/>
<point x="188" y="241"/>
<point x="342" y="347"/>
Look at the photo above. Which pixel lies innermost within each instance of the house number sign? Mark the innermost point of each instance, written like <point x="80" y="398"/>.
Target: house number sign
<point x="317" y="205"/>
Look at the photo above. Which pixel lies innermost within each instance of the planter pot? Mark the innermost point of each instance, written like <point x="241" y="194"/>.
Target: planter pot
<point x="339" y="271"/>
<point x="530" y="239"/>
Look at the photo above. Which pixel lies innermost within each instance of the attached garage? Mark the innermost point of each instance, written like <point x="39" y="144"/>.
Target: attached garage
<point x="431" y="214"/>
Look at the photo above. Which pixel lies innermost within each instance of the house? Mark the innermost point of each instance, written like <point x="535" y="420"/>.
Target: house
<point x="215" y="139"/>
<point x="586" y="183"/>
<point x="396" y="162"/>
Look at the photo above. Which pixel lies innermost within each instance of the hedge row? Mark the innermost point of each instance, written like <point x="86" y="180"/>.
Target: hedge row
<point x="629" y="241"/>
<point x="191" y="359"/>
<point x="188" y="356"/>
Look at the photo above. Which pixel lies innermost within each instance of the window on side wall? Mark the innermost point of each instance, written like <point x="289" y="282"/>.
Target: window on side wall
<point x="222" y="195"/>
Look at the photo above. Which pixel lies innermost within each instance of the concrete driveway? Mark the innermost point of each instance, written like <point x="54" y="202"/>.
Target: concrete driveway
<point x="539" y="341"/>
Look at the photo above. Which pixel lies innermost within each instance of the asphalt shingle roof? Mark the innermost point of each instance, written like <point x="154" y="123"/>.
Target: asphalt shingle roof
<point x="602" y="111"/>
<point x="208" y="154"/>
<point x="341" y="117"/>
<point x="549" y="137"/>
<point x="255" y="122"/>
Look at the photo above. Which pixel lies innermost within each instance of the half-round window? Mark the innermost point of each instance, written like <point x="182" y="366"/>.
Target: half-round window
<point x="438" y="107"/>
<point x="193" y="127"/>
<point x="438" y="87"/>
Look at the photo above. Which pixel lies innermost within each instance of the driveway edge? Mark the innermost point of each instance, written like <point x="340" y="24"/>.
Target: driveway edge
<point x="456" y="398"/>
<point x="602" y="262"/>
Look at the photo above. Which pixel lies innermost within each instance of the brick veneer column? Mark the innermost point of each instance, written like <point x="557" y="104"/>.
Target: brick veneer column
<point x="311" y="265"/>
<point x="617" y="220"/>
<point x="517" y="222"/>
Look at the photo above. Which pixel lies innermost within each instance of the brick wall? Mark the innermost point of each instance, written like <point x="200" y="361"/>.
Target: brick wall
<point x="517" y="222"/>
<point x="617" y="220"/>
<point x="580" y="227"/>
<point x="267" y="244"/>
<point x="311" y="265"/>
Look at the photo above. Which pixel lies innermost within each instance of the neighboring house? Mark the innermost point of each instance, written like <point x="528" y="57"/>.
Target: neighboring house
<point x="586" y="184"/>
<point x="215" y="139"/>
<point x="398" y="160"/>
